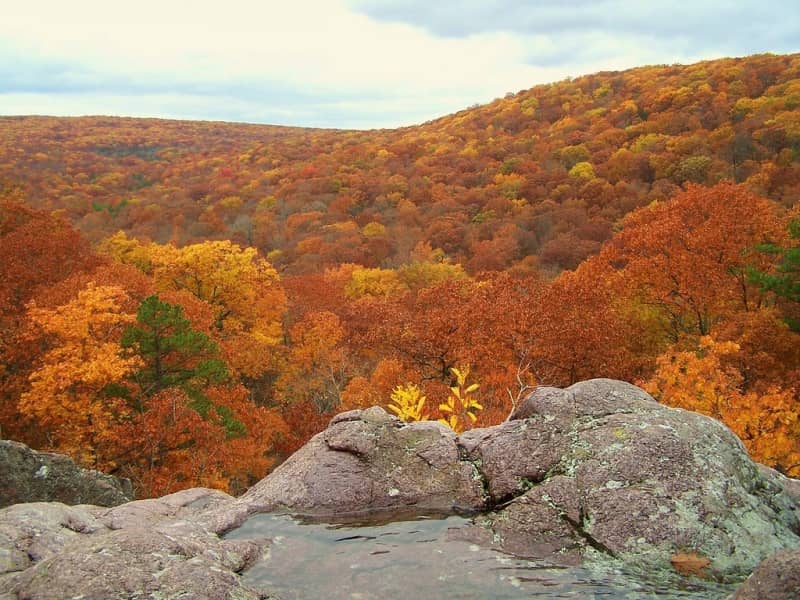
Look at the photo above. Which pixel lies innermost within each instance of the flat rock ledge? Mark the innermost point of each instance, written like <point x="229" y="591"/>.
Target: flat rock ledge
<point x="595" y="472"/>
<point x="143" y="549"/>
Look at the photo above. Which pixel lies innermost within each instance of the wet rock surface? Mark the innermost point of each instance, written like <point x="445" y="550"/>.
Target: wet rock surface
<point x="597" y="476"/>
<point x="30" y="476"/>
<point x="397" y="556"/>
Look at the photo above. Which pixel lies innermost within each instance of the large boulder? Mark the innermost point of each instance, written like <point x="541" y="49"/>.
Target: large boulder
<point x="366" y="461"/>
<point x="603" y="469"/>
<point x="776" y="578"/>
<point x="30" y="476"/>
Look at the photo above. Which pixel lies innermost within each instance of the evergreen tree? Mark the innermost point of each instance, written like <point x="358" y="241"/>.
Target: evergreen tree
<point x="785" y="281"/>
<point x="174" y="354"/>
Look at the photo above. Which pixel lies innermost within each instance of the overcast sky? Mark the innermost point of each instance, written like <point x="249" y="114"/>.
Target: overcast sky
<point x="348" y="63"/>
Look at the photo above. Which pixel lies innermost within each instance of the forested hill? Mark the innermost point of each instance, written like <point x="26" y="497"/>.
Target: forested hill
<point x="545" y="173"/>
<point x="184" y="303"/>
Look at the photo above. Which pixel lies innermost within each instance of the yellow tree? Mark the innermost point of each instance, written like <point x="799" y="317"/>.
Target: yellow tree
<point x="461" y="405"/>
<point x="68" y="393"/>
<point x="422" y="274"/>
<point x="408" y="403"/>
<point x="373" y="282"/>
<point x="243" y="290"/>
<point x="128" y="251"/>
<point x="316" y="368"/>
<point x="231" y="278"/>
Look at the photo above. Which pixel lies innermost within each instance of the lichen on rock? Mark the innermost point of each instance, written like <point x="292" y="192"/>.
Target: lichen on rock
<point x="635" y="480"/>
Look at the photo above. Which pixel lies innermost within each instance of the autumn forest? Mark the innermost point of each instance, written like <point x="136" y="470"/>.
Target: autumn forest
<point x="186" y="303"/>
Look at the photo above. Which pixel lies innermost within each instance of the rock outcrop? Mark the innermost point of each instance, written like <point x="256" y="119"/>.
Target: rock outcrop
<point x="597" y="469"/>
<point x="368" y="461"/>
<point x="30" y="476"/>
<point x="597" y="473"/>
<point x="628" y="478"/>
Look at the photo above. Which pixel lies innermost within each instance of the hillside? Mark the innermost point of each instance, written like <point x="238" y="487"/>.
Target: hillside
<point x="185" y="303"/>
<point x="547" y="172"/>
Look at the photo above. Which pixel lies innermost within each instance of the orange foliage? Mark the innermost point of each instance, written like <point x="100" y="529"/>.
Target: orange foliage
<point x="580" y="330"/>
<point x="316" y="369"/>
<point x="38" y="251"/>
<point x="768" y="422"/>
<point x="67" y="394"/>
<point x="456" y="182"/>
<point x="388" y="374"/>
<point x="171" y="446"/>
<point x="402" y="254"/>
<point x="687" y="256"/>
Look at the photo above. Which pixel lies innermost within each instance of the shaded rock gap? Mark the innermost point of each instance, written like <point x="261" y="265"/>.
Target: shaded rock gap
<point x="476" y="464"/>
<point x="579" y="527"/>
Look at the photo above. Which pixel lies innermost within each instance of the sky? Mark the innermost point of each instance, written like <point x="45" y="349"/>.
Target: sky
<point x="348" y="63"/>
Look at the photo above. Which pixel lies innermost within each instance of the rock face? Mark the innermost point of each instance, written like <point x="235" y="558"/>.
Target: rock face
<point x="369" y="460"/>
<point x="595" y="472"/>
<point x="366" y="461"/>
<point x="30" y="476"/>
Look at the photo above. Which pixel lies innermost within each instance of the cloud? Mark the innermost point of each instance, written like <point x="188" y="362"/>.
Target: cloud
<point x="344" y="63"/>
<point x="706" y="24"/>
<point x="585" y="36"/>
<point x="314" y="44"/>
<point x="306" y="56"/>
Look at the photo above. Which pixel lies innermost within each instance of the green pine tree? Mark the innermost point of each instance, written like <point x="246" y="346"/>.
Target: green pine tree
<point x="785" y="281"/>
<point x="174" y="354"/>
